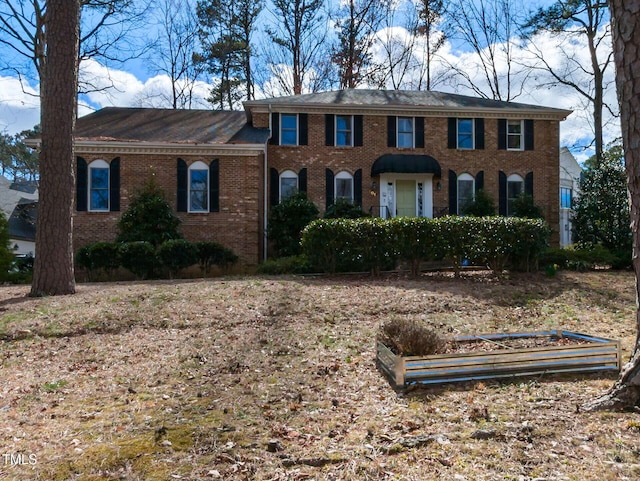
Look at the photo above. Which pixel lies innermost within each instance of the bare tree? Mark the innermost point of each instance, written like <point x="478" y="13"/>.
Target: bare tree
<point x="108" y="34"/>
<point x="295" y="56"/>
<point x="173" y="51"/>
<point x="430" y="27"/>
<point x="357" y="22"/>
<point x="568" y="21"/>
<point x="625" y="21"/>
<point x="58" y="66"/>
<point x="489" y="29"/>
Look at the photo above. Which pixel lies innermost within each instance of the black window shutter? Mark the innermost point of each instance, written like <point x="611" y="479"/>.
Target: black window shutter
<point x="114" y="185"/>
<point x="357" y="130"/>
<point x="528" y="184"/>
<point x="81" y="184"/>
<point x="329" y="129"/>
<point x="480" y="180"/>
<point x="453" y="193"/>
<point x="391" y="131"/>
<point x="274" y="187"/>
<point x="357" y="187"/>
<point x="419" y="126"/>
<point x="182" y="176"/>
<point x="452" y="133"/>
<point x="329" y="187"/>
<point x="303" y="129"/>
<point x="502" y="193"/>
<point x="528" y="134"/>
<point x="302" y="180"/>
<point x="275" y="129"/>
<point x="479" y="133"/>
<point x="502" y="134"/>
<point x="214" y="186"/>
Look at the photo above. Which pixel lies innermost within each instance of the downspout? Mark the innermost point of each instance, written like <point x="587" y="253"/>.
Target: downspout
<point x="266" y="197"/>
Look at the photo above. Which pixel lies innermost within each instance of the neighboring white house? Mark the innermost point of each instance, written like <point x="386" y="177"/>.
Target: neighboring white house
<point x="570" y="172"/>
<point x="18" y="202"/>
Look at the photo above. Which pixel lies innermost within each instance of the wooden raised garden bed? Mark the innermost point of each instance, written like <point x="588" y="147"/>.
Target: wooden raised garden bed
<point x="503" y="355"/>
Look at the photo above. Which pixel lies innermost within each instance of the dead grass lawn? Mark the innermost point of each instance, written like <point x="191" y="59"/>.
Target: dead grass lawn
<point x="275" y="379"/>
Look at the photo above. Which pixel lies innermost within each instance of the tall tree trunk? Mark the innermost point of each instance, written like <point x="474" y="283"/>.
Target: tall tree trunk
<point x="53" y="268"/>
<point x="625" y="21"/>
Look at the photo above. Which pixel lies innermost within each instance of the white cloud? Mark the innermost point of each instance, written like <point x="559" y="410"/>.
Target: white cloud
<point x="19" y="106"/>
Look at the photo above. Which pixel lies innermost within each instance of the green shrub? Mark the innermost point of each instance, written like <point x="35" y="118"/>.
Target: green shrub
<point x="415" y="239"/>
<point x="177" y="254"/>
<point x="103" y="256"/>
<point x="210" y="253"/>
<point x="149" y="218"/>
<point x="139" y="257"/>
<point x="481" y="206"/>
<point x="285" y="265"/>
<point x="286" y="222"/>
<point x="459" y="240"/>
<point x="523" y="206"/>
<point x="227" y="259"/>
<point x="21" y="271"/>
<point x="344" y="209"/>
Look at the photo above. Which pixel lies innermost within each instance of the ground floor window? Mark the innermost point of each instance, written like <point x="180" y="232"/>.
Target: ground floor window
<point x="198" y="187"/>
<point x="99" y="186"/>
<point x="288" y="184"/>
<point x="344" y="186"/>
<point x="515" y="188"/>
<point x="466" y="192"/>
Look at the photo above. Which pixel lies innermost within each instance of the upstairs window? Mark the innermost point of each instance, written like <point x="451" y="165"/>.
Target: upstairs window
<point x="344" y="186"/>
<point x="515" y="188"/>
<point x="198" y="187"/>
<point x="465" y="134"/>
<point x="515" y="134"/>
<point x="288" y="129"/>
<point x="288" y="184"/>
<point x="99" y="186"/>
<point x="344" y="130"/>
<point x="405" y="132"/>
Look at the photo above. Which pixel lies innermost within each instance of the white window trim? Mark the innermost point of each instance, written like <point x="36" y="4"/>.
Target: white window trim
<point x="465" y="177"/>
<point x="287" y="174"/>
<point x="513" y="135"/>
<point x="99" y="164"/>
<point x="473" y="133"/>
<point x="199" y="165"/>
<point x="342" y="176"/>
<point x="413" y="132"/>
<point x="335" y="131"/>
<point x="297" y="129"/>
<point x="512" y="179"/>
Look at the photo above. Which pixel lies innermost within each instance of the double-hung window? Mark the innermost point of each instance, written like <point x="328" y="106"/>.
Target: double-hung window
<point x="99" y="186"/>
<point x="344" y="186"/>
<point x="515" y="188"/>
<point x="405" y="132"/>
<point x="465" y="134"/>
<point x="344" y="130"/>
<point x="198" y="187"/>
<point x="515" y="133"/>
<point x="288" y="129"/>
<point x="466" y="192"/>
<point x="565" y="198"/>
<point x="288" y="184"/>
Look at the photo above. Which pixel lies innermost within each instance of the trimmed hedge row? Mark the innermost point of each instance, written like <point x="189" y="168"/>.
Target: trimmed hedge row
<point x="373" y="244"/>
<point x="145" y="261"/>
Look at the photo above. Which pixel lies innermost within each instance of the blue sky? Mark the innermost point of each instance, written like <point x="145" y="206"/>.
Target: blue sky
<point x="136" y="85"/>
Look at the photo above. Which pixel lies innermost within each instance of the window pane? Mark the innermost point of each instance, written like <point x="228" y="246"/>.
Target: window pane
<point x="565" y="198"/>
<point x="514" y="189"/>
<point x="343" y="130"/>
<point x="514" y="135"/>
<point x="405" y="132"/>
<point x="198" y="192"/>
<point x="465" y="133"/>
<point x="289" y="130"/>
<point x="405" y="124"/>
<point x="514" y="142"/>
<point x="344" y="189"/>
<point x="99" y="189"/>
<point x="465" y="194"/>
<point x="289" y="122"/>
<point x="405" y="140"/>
<point x="288" y="187"/>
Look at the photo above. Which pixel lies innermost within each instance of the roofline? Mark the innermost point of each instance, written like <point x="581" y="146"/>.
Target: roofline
<point x="540" y="113"/>
<point x="169" y="148"/>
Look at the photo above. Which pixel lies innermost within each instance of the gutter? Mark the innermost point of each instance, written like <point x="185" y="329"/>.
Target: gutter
<point x="265" y="196"/>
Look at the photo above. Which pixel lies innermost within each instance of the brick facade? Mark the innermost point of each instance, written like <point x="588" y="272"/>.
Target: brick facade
<point x="149" y="142"/>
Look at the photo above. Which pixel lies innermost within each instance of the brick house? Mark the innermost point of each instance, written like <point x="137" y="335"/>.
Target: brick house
<point x="393" y="152"/>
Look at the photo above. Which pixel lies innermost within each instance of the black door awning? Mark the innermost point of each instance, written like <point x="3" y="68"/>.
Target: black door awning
<point x="406" y="164"/>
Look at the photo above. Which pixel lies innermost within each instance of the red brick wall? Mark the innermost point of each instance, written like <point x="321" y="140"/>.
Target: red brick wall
<point x="238" y="225"/>
<point x="543" y="161"/>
